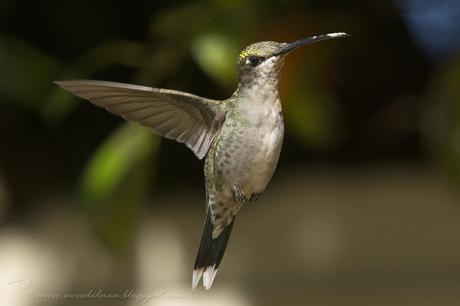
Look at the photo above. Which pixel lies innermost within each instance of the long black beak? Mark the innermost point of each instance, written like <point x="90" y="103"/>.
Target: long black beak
<point x="307" y="41"/>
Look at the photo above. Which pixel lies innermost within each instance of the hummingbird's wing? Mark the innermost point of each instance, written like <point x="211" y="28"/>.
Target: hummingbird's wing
<point x="181" y="116"/>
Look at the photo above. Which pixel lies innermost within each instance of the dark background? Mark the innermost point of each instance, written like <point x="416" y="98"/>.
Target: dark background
<point x="363" y="208"/>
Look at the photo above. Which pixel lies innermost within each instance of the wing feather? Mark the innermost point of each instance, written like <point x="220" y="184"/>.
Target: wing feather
<point x="184" y="117"/>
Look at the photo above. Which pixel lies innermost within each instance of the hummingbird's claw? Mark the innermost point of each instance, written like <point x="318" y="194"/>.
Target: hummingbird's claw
<point x="255" y="196"/>
<point x="238" y="195"/>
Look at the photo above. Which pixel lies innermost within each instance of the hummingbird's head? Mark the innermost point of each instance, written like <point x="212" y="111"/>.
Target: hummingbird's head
<point x="261" y="62"/>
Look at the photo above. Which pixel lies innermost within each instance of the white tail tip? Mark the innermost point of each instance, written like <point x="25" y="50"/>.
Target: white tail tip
<point x="196" y="277"/>
<point x="208" y="274"/>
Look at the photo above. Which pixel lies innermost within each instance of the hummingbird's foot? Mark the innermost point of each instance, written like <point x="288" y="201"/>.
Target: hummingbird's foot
<point x="238" y="195"/>
<point x="255" y="196"/>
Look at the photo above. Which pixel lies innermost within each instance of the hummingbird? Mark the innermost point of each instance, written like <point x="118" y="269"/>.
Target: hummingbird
<point x="241" y="136"/>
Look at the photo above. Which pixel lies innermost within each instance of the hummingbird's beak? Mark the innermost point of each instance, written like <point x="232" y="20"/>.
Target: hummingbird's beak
<point x="288" y="47"/>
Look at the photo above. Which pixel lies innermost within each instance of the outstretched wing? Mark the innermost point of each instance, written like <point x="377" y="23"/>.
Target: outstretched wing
<point x="184" y="117"/>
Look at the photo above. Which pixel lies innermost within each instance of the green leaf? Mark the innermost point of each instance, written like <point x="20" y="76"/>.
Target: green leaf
<point x="115" y="182"/>
<point x="27" y="73"/>
<point x="127" y="146"/>
<point x="215" y="53"/>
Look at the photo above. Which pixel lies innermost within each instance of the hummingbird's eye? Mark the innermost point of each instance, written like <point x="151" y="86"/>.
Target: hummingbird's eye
<point x="254" y="61"/>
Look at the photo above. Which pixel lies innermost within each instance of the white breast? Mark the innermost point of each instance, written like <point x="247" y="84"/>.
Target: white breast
<point x="267" y="153"/>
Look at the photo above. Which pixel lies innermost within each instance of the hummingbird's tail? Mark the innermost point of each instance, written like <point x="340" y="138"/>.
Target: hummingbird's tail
<point x="210" y="253"/>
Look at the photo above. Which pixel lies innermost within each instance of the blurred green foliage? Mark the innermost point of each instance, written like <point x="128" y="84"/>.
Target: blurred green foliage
<point x="115" y="181"/>
<point x="115" y="158"/>
<point x="212" y="52"/>
<point x="27" y="73"/>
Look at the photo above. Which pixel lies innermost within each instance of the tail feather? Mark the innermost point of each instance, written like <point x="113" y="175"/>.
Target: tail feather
<point x="210" y="253"/>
